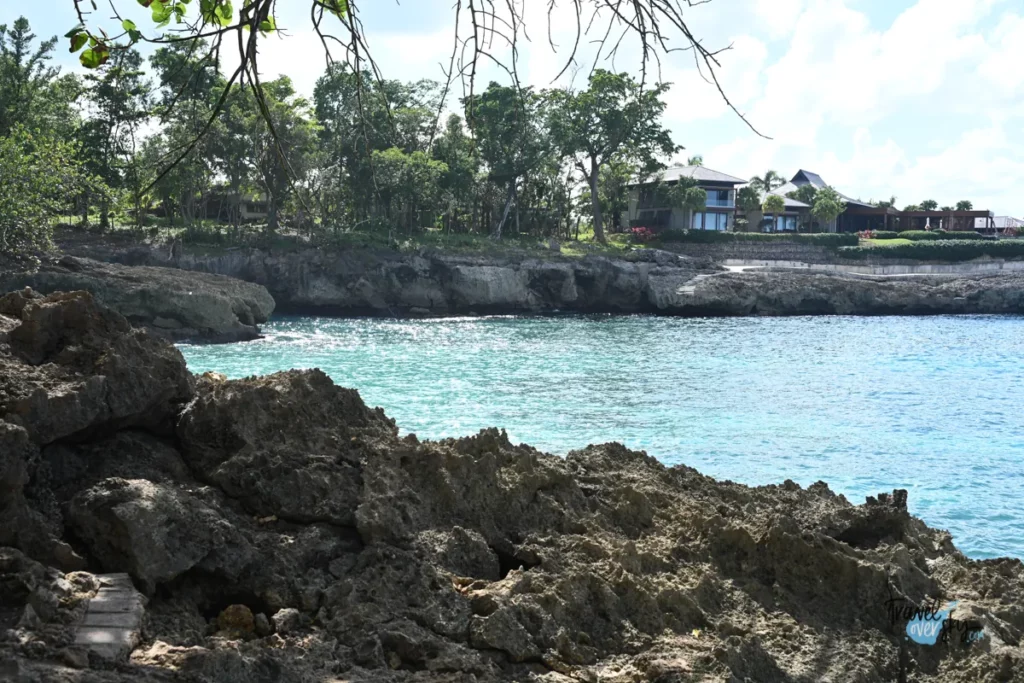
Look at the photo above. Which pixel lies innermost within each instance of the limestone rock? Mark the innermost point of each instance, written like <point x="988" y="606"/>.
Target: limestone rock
<point x="167" y="301"/>
<point x="288" y="445"/>
<point x="74" y="366"/>
<point x="156" y="532"/>
<point x="287" y="620"/>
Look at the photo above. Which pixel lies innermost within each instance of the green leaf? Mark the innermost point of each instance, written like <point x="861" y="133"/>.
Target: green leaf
<point x="268" y="24"/>
<point x="90" y="59"/>
<point x="225" y="11"/>
<point x="78" y="40"/>
<point x="128" y="25"/>
<point x="161" y="13"/>
<point x="75" y="31"/>
<point x="145" y="3"/>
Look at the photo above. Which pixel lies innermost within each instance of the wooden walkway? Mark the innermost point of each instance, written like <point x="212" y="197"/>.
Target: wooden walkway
<point x="112" y="623"/>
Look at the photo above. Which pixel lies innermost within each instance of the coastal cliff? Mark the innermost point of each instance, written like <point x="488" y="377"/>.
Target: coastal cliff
<point x="281" y="530"/>
<point x="386" y="282"/>
<point x="169" y="302"/>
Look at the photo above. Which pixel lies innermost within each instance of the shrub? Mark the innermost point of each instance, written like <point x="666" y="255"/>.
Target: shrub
<point x="641" y="234"/>
<point x="824" y="239"/>
<point x="940" y="250"/>
<point x="933" y="235"/>
<point x="884" y="234"/>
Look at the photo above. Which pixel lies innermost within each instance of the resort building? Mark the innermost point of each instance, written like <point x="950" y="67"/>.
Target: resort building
<point x="1000" y="225"/>
<point x="649" y="206"/>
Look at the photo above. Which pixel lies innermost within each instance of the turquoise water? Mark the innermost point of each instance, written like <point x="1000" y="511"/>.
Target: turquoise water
<point x="934" y="405"/>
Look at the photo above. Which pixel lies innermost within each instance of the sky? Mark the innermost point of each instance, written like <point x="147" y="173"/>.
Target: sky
<point x="917" y="99"/>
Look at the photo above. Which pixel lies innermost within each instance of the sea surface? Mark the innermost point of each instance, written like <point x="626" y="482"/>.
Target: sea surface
<point x="931" y="404"/>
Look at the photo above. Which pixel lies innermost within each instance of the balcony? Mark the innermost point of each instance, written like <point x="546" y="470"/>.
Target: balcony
<point x="715" y="202"/>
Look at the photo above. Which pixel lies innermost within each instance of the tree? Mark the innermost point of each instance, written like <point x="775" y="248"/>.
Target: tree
<point x="27" y="84"/>
<point x="947" y="207"/>
<point x="612" y="117"/>
<point x="773" y="204"/>
<point x="280" y="156"/>
<point x="888" y="203"/>
<point x="616" y="177"/>
<point x="456" y="150"/>
<point x="748" y="201"/>
<point x="510" y="138"/>
<point x="697" y="160"/>
<point x="768" y="182"/>
<point x="408" y="183"/>
<point x="828" y="204"/>
<point x="804" y="193"/>
<point x="964" y="205"/>
<point x="120" y="103"/>
<point x="912" y="207"/>
<point x="929" y="205"/>
<point x="40" y="174"/>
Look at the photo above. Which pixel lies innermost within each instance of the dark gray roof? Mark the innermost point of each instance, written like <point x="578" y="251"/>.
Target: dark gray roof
<point x="803" y="177"/>
<point x="698" y="173"/>
<point x="807" y="178"/>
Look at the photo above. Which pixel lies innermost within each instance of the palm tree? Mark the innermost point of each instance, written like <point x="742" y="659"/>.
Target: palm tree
<point x="765" y="184"/>
<point x="929" y="205"/>
<point x="774" y="204"/>
<point x="964" y="205"/>
<point x="697" y="160"/>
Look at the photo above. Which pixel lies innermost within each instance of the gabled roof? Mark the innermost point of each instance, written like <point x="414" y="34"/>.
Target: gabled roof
<point x="803" y="177"/>
<point x="698" y="173"/>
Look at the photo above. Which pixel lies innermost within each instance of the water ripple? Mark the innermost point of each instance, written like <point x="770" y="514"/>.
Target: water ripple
<point x="866" y="404"/>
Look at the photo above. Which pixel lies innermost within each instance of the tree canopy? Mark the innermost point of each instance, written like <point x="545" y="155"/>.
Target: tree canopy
<point x="614" y="115"/>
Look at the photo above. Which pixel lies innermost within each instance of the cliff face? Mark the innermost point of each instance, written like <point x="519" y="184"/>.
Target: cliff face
<point x="169" y="302"/>
<point x="282" y="531"/>
<point x="382" y="282"/>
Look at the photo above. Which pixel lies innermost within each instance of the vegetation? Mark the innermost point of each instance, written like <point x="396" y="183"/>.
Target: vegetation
<point x="932" y="235"/>
<point x="827" y="205"/>
<point x="774" y="204"/>
<point x="824" y="239"/>
<point x="939" y="250"/>
<point x="185" y="144"/>
<point x="768" y="182"/>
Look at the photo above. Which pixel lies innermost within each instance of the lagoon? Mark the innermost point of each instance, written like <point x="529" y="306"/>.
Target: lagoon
<point x="868" y="404"/>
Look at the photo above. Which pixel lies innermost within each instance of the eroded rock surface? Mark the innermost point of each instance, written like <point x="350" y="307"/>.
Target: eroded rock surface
<point x="655" y="281"/>
<point x="283" y="531"/>
<point x="166" y="301"/>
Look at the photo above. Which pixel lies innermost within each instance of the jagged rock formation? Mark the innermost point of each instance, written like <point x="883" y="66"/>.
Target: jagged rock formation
<point x="781" y="292"/>
<point x="384" y="282"/>
<point x="284" y="531"/>
<point x="166" y="301"/>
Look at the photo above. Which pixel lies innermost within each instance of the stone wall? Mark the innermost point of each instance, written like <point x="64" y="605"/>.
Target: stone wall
<point x="758" y="251"/>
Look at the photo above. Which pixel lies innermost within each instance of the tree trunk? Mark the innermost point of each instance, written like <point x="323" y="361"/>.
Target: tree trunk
<point x="595" y="202"/>
<point x="272" y="215"/>
<point x="508" y="205"/>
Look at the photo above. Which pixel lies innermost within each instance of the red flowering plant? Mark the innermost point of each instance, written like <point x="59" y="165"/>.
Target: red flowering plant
<point x="641" y="234"/>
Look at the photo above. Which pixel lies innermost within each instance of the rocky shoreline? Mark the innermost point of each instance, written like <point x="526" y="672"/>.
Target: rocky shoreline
<point x="390" y="283"/>
<point x="169" y="302"/>
<point x="277" y="529"/>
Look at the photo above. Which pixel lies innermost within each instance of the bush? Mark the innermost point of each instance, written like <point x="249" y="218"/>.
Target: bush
<point x="824" y="239"/>
<point x="940" y="250"/>
<point x="884" y="234"/>
<point x="933" y="235"/>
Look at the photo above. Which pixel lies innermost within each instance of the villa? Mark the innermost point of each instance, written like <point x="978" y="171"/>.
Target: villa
<point x="650" y="208"/>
